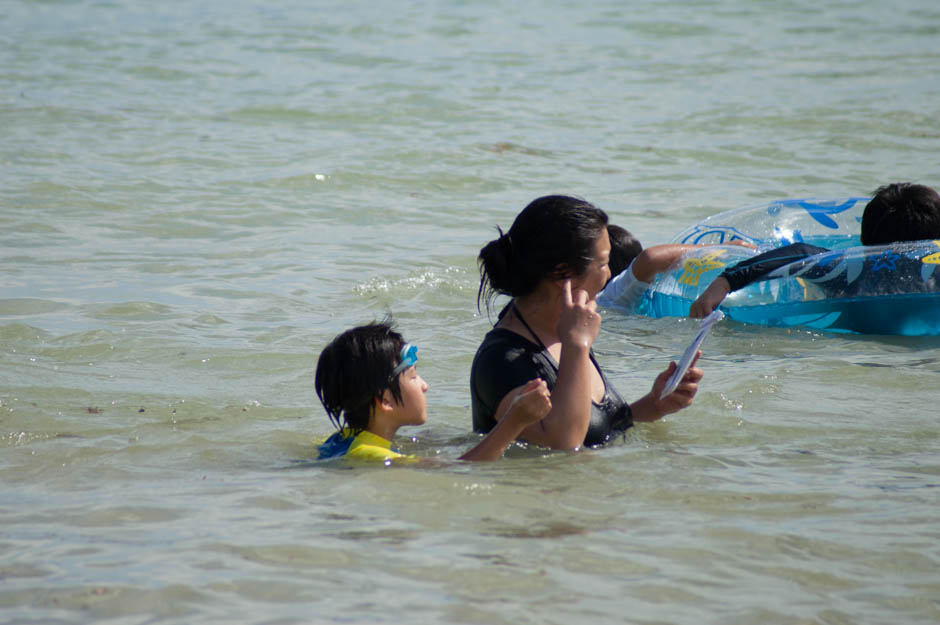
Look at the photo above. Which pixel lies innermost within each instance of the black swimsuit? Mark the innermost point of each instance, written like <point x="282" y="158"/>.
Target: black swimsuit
<point x="506" y="360"/>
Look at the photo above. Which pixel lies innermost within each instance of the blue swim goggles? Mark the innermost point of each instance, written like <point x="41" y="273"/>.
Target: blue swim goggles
<point x="409" y="357"/>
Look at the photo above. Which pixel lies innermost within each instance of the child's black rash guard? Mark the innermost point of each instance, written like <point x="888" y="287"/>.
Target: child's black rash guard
<point x="757" y="267"/>
<point x="886" y="273"/>
<point x="506" y="360"/>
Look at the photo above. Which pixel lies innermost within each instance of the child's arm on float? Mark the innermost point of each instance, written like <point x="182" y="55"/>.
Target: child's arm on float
<point x="747" y="272"/>
<point x="522" y="407"/>
<point x="627" y="287"/>
<point x="658" y="259"/>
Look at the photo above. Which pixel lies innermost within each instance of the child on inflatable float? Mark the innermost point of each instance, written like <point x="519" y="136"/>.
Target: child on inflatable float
<point x="898" y="212"/>
<point x="634" y="268"/>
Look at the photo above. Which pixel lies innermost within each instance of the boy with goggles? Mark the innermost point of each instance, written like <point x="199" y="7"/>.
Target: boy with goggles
<point x="368" y="383"/>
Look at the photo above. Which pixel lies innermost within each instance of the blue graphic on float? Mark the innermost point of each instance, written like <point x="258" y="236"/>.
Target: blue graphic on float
<point x="820" y="211"/>
<point x="787" y="238"/>
<point x="888" y="260"/>
<point x="715" y="235"/>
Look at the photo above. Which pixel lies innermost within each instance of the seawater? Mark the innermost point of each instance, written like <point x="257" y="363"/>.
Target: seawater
<point x="195" y="197"/>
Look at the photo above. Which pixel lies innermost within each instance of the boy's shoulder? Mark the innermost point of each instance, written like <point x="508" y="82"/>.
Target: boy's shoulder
<point x="623" y="291"/>
<point x="364" y="446"/>
<point x="368" y="446"/>
<point x="335" y="445"/>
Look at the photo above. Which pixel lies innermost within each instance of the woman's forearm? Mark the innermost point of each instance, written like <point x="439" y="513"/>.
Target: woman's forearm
<point x="566" y="424"/>
<point x="644" y="409"/>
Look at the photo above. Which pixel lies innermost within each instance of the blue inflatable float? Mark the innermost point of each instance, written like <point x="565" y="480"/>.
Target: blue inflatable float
<point x="836" y="290"/>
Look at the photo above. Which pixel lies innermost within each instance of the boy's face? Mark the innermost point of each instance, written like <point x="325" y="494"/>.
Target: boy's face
<point x="413" y="409"/>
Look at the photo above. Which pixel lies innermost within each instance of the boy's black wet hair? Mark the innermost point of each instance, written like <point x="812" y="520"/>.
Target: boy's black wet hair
<point x="624" y="247"/>
<point x="355" y="369"/>
<point x="902" y="211"/>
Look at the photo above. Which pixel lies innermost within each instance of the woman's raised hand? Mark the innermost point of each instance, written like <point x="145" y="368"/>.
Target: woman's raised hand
<point x="579" y="322"/>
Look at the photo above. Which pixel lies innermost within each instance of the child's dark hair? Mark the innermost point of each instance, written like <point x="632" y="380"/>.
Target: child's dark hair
<point x="354" y="369"/>
<point x="553" y="237"/>
<point x="901" y="211"/>
<point x="624" y="247"/>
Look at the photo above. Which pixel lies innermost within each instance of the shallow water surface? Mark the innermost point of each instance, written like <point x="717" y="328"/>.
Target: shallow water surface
<point x="197" y="197"/>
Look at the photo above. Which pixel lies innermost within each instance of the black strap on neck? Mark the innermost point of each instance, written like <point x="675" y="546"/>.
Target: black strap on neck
<point x="515" y="309"/>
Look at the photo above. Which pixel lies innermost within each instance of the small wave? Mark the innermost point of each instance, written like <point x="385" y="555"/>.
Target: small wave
<point x="451" y="278"/>
<point x="133" y="310"/>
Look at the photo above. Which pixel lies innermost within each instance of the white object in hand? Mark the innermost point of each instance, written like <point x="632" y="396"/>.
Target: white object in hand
<point x="690" y="351"/>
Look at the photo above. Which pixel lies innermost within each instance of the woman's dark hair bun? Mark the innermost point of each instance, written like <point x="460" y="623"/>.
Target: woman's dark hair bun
<point x="553" y="236"/>
<point x="496" y="257"/>
<point x="505" y="242"/>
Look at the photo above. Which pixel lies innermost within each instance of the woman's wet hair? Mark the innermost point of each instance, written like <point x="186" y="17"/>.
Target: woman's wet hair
<point x="902" y="211"/>
<point x="553" y="237"/>
<point x="355" y="369"/>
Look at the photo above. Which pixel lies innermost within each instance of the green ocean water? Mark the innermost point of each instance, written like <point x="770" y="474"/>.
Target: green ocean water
<point x="194" y="198"/>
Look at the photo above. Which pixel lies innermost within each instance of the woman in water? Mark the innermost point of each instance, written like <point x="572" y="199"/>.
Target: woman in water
<point x="552" y="263"/>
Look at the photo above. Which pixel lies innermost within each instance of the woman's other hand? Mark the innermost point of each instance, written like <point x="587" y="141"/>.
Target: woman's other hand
<point x="650" y="407"/>
<point x="683" y="395"/>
